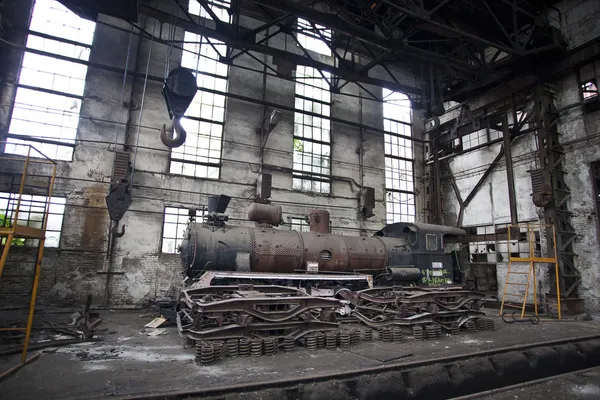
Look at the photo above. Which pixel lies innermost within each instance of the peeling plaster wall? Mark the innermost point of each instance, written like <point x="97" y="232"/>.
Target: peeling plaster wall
<point x="144" y="273"/>
<point x="580" y="136"/>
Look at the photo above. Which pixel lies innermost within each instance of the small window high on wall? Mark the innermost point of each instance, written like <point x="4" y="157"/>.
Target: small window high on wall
<point x="50" y="91"/>
<point x="315" y="37"/>
<point x="588" y="77"/>
<point x="204" y="119"/>
<point x="399" y="158"/>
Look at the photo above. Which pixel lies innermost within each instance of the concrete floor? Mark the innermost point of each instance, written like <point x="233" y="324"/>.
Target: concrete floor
<point x="583" y="385"/>
<point x="128" y="361"/>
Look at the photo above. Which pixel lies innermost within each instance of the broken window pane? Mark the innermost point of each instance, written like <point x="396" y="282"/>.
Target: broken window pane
<point x="589" y="89"/>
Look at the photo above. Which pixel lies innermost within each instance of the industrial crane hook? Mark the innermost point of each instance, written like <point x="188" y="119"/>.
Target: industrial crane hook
<point x="178" y="91"/>
<point x="179" y="134"/>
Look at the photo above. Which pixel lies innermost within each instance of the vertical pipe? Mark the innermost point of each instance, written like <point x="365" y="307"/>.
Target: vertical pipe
<point x="510" y="179"/>
<point x="361" y="178"/>
<point x="263" y="121"/>
<point x="437" y="171"/>
<point x="139" y="127"/>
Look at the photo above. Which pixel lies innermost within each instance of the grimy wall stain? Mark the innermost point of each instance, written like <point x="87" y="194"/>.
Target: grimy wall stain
<point x="580" y="139"/>
<point x="71" y="272"/>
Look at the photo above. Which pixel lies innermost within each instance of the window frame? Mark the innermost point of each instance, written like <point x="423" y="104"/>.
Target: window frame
<point x="301" y="222"/>
<point x="319" y="183"/>
<point x="28" y="201"/>
<point x="27" y="117"/>
<point x="182" y="211"/>
<point x="427" y="237"/>
<point x="197" y="157"/>
<point x="595" y="94"/>
<point x="399" y="145"/>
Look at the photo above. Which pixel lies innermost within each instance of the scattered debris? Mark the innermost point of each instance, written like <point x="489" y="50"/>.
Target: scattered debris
<point x="86" y="320"/>
<point x="46" y="344"/>
<point x="156" y="322"/>
<point x="157" y="332"/>
<point x="583" y="317"/>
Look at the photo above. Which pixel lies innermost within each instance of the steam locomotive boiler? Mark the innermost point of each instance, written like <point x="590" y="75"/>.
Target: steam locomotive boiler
<point x="400" y="252"/>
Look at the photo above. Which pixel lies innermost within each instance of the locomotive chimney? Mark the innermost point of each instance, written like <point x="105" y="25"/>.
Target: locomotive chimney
<point x="318" y="220"/>
<point x="218" y="204"/>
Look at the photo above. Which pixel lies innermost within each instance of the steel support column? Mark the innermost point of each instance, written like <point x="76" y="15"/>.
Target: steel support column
<point x="556" y="211"/>
<point x="510" y="179"/>
<point x="433" y="183"/>
<point x="437" y="181"/>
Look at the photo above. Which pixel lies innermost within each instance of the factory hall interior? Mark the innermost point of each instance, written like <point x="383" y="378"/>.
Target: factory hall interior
<point x="300" y="199"/>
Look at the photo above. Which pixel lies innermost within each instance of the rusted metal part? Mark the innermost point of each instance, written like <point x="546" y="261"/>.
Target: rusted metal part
<point x="235" y="311"/>
<point x="294" y="280"/>
<point x="265" y="213"/>
<point x="318" y="220"/>
<point x="382" y="307"/>
<point x="443" y="318"/>
<point x="277" y="251"/>
<point x="295" y="329"/>
<point x="224" y="312"/>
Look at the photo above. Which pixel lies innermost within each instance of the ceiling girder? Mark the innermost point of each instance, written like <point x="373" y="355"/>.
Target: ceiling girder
<point x="363" y="34"/>
<point x="227" y="36"/>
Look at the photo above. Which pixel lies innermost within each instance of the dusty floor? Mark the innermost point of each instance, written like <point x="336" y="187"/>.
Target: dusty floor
<point x="583" y="385"/>
<point x="128" y="361"/>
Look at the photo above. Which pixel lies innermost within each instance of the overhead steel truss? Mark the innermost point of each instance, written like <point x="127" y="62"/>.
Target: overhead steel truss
<point x="451" y="47"/>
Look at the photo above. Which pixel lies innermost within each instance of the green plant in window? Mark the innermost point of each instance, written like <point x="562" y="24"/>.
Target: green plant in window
<point x="298" y="145"/>
<point x="5" y="223"/>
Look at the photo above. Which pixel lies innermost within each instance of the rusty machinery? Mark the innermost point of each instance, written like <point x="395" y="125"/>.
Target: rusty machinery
<point x="414" y="265"/>
<point x="399" y="252"/>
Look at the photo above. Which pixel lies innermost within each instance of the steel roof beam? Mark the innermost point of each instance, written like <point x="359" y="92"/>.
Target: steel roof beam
<point x="229" y="39"/>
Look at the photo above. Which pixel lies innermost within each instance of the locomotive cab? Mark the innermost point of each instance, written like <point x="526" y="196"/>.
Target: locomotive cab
<point x="433" y="250"/>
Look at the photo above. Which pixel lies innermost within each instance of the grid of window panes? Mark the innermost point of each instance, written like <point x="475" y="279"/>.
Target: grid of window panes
<point x="174" y="224"/>
<point x="476" y="138"/>
<point x="485" y="251"/>
<point x="399" y="207"/>
<point x="314" y="39"/>
<point x="299" y="224"/>
<point x="51" y="115"/>
<point x="399" y="158"/>
<point x="499" y="250"/>
<point x="312" y="140"/>
<point x="204" y="119"/>
<point x="31" y="213"/>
